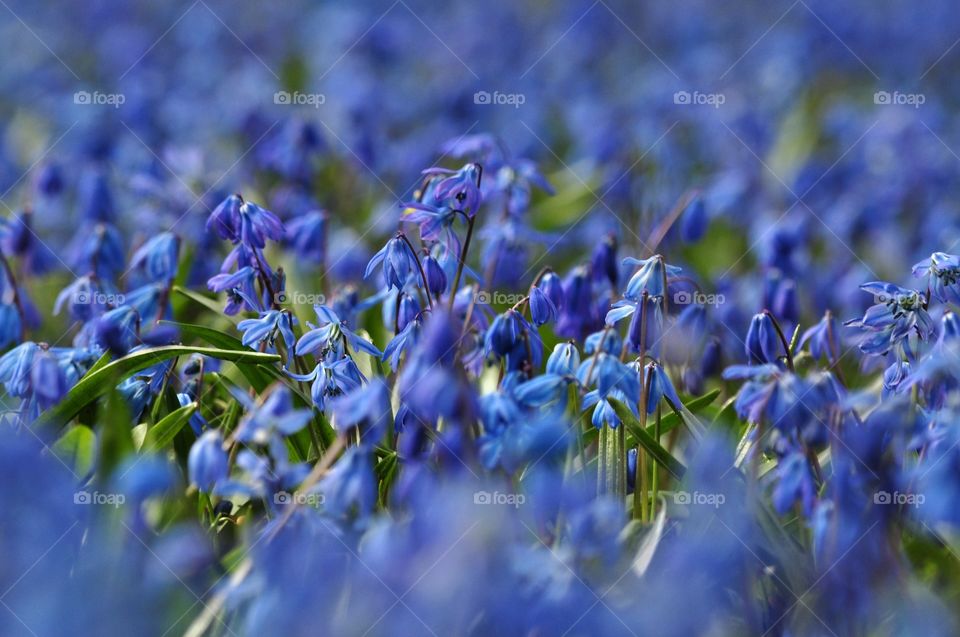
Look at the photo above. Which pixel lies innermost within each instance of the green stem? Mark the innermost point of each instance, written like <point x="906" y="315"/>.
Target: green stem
<point x="461" y="261"/>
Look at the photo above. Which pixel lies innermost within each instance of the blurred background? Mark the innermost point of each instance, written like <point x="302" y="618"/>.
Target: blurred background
<point x="820" y="136"/>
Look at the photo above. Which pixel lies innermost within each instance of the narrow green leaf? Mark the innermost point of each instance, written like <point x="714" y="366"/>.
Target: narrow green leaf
<point x="162" y="433"/>
<point x="258" y="377"/>
<point x="663" y="457"/>
<point x="203" y="301"/>
<point x="93" y="386"/>
<point x="77" y="447"/>
<point x="115" y="432"/>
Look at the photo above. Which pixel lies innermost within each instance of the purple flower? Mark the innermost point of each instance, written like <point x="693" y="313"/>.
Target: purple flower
<point x="457" y="190"/>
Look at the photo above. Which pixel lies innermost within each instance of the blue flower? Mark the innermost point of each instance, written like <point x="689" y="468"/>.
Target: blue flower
<point x="794" y="482"/>
<point x="436" y="277"/>
<point x="658" y="386"/>
<point x="504" y="333"/>
<point x="650" y="278"/>
<point x="94" y="198"/>
<point x="577" y="317"/>
<point x="457" y="190"/>
<point x="307" y="235"/>
<point x="239" y="286"/>
<point x="327" y="335"/>
<point x="897" y="314"/>
<point x="100" y="252"/>
<point x="156" y="259"/>
<point x="552" y="286"/>
<point x="399" y="263"/>
<point x="118" y="330"/>
<point x="694" y="221"/>
<point x="331" y="379"/>
<point x="207" y="461"/>
<point x="564" y="360"/>
<point x="366" y="407"/>
<point x="542" y="309"/>
<point x="266" y="328"/>
<point x="942" y="272"/>
<point x="275" y="416"/>
<point x="821" y="339"/>
<point x="350" y="487"/>
<point x="763" y="342"/>
<point x="257" y="225"/>
<point x="603" y="261"/>
<point x="225" y="218"/>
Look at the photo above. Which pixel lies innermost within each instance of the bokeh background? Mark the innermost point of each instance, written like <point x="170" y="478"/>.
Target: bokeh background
<point x="787" y="134"/>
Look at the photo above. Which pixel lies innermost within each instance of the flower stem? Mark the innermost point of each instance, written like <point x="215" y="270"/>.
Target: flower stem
<point x="462" y="259"/>
<point x="783" y="339"/>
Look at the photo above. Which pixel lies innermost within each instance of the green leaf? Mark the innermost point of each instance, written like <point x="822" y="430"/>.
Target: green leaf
<point x="116" y="436"/>
<point x="258" y="377"/>
<point x="203" y="301"/>
<point x="670" y="421"/>
<point x="162" y="433"/>
<point x="77" y="447"/>
<point x="660" y="455"/>
<point x="93" y="386"/>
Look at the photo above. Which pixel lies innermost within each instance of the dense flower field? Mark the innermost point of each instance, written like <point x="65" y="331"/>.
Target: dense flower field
<point x="512" y="318"/>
